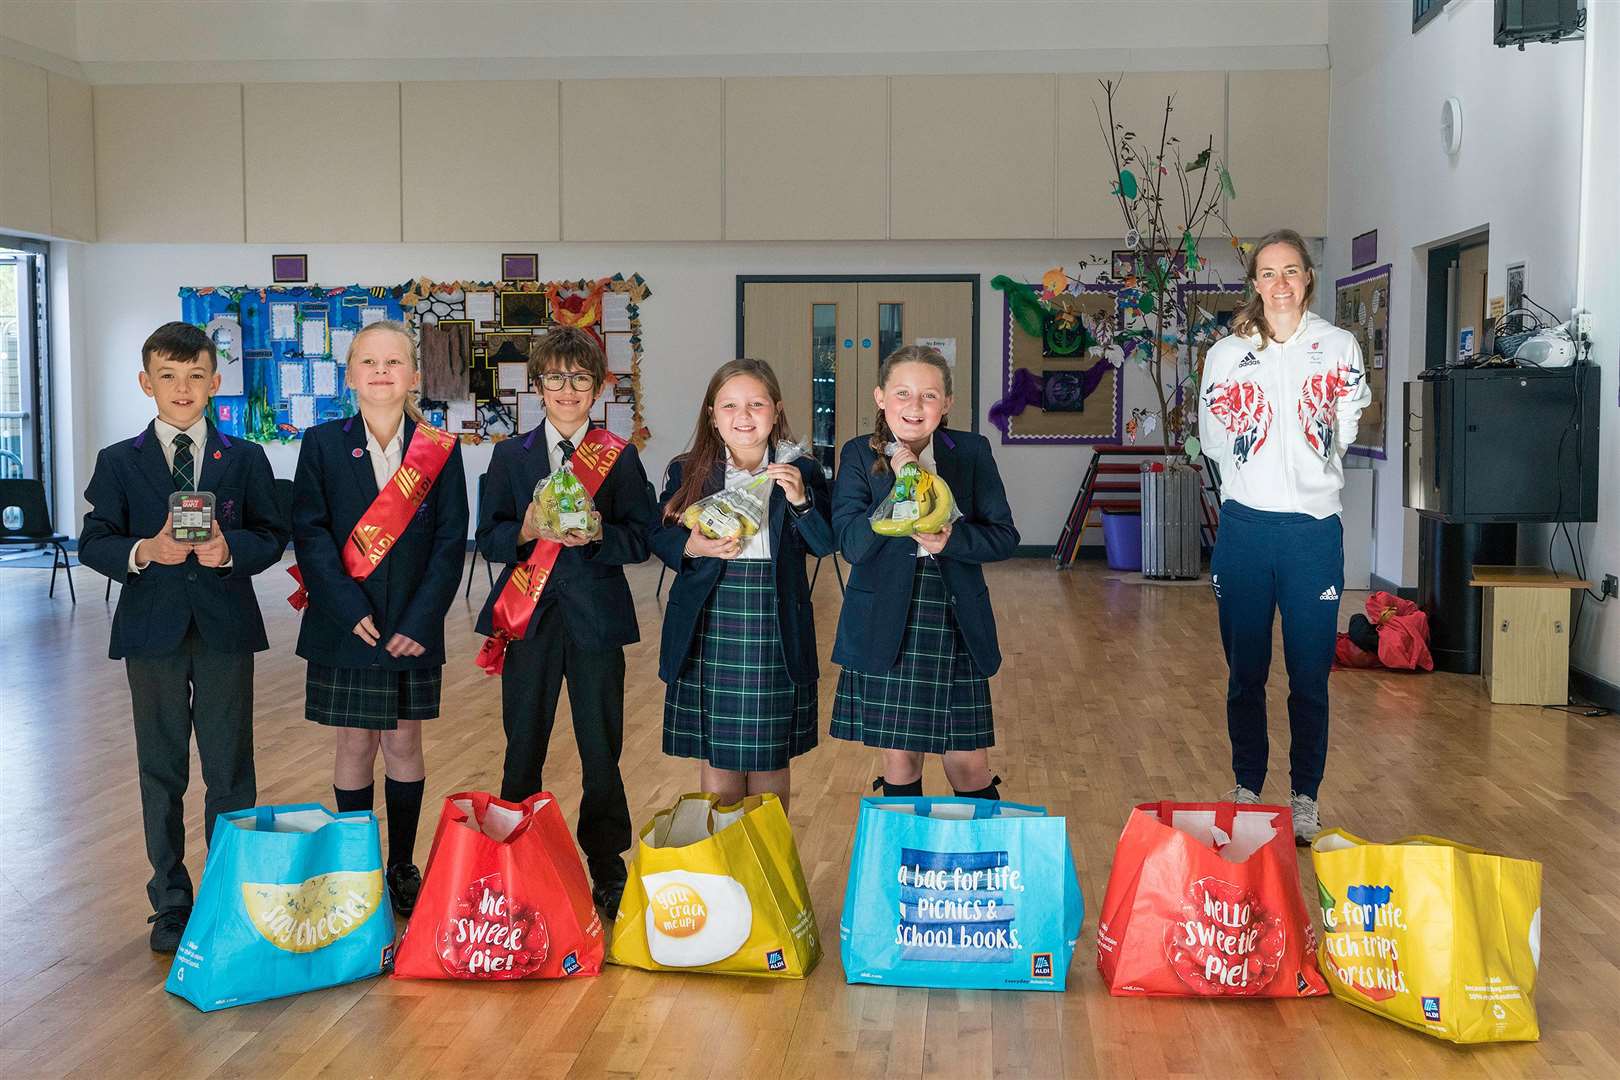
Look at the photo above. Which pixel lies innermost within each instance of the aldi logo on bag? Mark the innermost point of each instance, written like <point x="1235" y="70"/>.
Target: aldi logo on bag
<point x="387" y="957"/>
<point x="1040" y="965"/>
<point x="571" y="963"/>
<point x="775" y="961"/>
<point x="1431" y="1009"/>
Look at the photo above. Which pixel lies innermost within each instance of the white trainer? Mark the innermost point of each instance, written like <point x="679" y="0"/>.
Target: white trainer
<point x="1307" y="818"/>
<point x="1242" y="796"/>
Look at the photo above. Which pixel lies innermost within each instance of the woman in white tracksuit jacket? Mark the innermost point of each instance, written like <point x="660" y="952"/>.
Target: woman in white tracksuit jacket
<point x="1278" y="407"/>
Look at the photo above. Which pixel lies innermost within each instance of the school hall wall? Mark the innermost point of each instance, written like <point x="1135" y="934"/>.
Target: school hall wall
<point x="1517" y="173"/>
<point x="122" y="291"/>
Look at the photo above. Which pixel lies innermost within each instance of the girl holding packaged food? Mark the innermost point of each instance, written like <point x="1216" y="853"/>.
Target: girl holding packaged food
<point x="741" y="510"/>
<point x="917" y="509"/>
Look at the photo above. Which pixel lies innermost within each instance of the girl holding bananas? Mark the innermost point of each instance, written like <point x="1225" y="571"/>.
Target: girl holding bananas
<point x="741" y="509"/>
<point x="916" y="637"/>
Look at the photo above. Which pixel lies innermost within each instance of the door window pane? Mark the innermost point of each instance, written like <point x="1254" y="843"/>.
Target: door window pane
<point x="823" y="381"/>
<point x="891" y="332"/>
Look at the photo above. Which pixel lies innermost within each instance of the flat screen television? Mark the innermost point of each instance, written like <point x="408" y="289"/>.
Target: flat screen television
<point x="1519" y="22"/>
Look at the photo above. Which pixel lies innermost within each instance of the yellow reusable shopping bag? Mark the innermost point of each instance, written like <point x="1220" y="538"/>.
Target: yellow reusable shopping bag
<point x="718" y="888"/>
<point x="1442" y="938"/>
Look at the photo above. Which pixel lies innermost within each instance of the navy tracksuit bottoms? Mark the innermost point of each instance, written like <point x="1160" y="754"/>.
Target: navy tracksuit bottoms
<point x="1263" y="562"/>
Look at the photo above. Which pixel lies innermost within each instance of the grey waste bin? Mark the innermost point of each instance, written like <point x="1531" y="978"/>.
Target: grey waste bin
<point x="1170" y="543"/>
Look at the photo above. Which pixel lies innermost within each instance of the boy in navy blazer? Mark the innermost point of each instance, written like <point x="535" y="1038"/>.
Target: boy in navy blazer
<point x="187" y="623"/>
<point x="585" y="615"/>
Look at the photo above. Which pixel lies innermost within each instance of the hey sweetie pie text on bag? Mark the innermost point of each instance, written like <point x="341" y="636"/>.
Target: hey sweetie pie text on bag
<point x="1204" y="901"/>
<point x="718" y="888"/>
<point x="291" y="899"/>
<point x="961" y="893"/>
<point x="1438" y="937"/>
<point x="504" y="896"/>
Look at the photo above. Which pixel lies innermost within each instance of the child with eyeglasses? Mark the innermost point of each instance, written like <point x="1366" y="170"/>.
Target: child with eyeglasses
<point x="562" y="609"/>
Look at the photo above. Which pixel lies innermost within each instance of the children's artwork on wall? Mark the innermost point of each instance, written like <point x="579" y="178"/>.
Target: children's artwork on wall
<point x="476" y="338"/>
<point x="1062" y="386"/>
<point x="282" y="351"/>
<point x="1361" y="306"/>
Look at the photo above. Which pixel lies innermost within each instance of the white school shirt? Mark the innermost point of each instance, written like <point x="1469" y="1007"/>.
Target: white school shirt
<point x="1278" y="420"/>
<point x="165" y="433"/>
<point x="554" y="440"/>
<point x="385" y="460"/>
<point x="758" y="546"/>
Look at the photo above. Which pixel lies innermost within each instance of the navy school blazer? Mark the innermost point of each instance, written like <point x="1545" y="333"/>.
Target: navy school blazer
<point x="411" y="588"/>
<point x="811" y="533"/>
<point x="129" y="499"/>
<point x="588" y="581"/>
<point x="878" y="595"/>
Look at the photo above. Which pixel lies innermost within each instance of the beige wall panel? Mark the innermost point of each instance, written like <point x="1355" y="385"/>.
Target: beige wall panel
<point x="25" y="149"/>
<point x="480" y="160"/>
<point x="807" y="158"/>
<point x="1085" y="166"/>
<point x="322" y="162"/>
<point x="642" y="159"/>
<point x="1278" y="145"/>
<point x="73" y="158"/>
<point x="169" y="163"/>
<point x="971" y="157"/>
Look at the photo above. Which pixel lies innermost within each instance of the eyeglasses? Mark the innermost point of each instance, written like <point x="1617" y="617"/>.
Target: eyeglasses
<point x="579" y="380"/>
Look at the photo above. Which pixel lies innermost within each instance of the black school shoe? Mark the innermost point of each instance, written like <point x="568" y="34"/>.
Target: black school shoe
<point x="168" y="927"/>
<point x="404" y="885"/>
<point x="606" y="894"/>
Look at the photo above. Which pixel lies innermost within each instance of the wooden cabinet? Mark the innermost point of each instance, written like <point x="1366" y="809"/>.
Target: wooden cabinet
<point x="1525" y="626"/>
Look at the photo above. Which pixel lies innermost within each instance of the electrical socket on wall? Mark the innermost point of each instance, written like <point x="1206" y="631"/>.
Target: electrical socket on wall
<point x="1610" y="586"/>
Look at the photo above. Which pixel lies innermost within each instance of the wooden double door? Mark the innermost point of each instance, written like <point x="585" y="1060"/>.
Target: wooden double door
<point x="825" y="340"/>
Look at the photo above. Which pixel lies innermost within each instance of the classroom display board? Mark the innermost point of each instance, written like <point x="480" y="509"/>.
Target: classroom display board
<point x="281" y="351"/>
<point x="1361" y="306"/>
<point x="1066" y="378"/>
<point x="474" y="341"/>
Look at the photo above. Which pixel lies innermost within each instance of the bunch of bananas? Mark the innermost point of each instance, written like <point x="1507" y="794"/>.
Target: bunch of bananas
<point x="921" y="502"/>
<point x="563" y="505"/>
<point x="733" y="512"/>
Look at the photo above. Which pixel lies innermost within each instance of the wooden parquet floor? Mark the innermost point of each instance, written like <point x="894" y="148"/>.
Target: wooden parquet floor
<point x="1111" y="695"/>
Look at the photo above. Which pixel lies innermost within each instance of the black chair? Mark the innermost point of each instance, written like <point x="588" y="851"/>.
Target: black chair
<point x="284" y="499"/>
<point x="478" y="513"/>
<point x="24" y="501"/>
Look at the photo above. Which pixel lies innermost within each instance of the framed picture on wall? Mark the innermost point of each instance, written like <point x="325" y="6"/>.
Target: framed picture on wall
<point x="289" y="269"/>
<point x="523" y="267"/>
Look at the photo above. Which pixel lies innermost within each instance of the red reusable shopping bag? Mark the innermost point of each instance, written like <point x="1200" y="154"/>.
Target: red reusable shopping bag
<point x="504" y="896"/>
<point x="1204" y="901"/>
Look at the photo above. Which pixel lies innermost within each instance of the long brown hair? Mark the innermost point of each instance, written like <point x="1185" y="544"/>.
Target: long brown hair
<point x="1250" y="319"/>
<point x="905" y="354"/>
<point x="707" y="449"/>
<point x="393" y="326"/>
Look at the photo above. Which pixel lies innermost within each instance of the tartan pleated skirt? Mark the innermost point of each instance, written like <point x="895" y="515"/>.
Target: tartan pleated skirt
<point x="734" y="704"/>
<point x="934" y="698"/>
<point x="375" y="699"/>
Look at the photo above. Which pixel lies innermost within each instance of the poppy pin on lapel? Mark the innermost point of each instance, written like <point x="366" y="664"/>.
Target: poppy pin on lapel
<point x="357" y="452"/>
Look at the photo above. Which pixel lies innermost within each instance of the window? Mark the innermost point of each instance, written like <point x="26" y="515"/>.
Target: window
<point x="823" y="382"/>
<point x="24" y="437"/>
<point x="891" y="331"/>
<point x="1424" y="12"/>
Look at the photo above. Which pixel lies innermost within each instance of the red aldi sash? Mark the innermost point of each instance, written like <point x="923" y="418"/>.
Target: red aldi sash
<point x="514" y="607"/>
<point x="390" y="513"/>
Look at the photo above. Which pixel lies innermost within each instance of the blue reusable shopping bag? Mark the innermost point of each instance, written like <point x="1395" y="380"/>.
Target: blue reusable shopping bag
<point x="292" y="899"/>
<point x="960" y="893"/>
